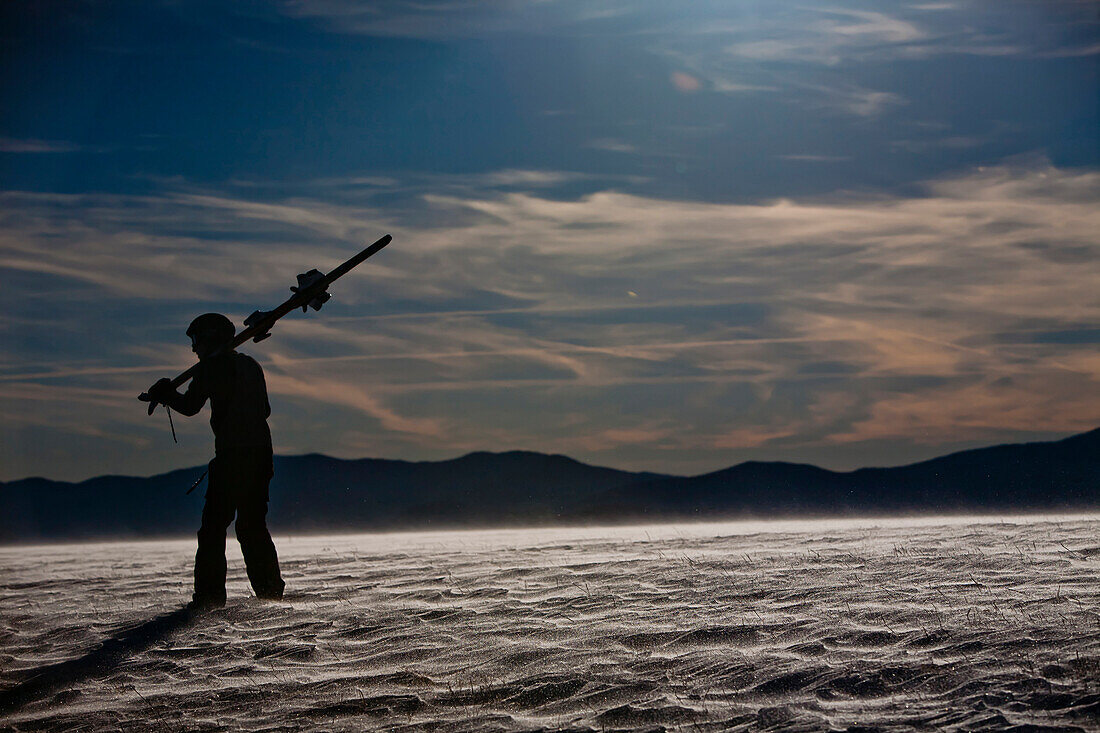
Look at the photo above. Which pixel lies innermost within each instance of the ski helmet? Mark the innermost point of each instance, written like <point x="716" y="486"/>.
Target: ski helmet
<point x="213" y="323"/>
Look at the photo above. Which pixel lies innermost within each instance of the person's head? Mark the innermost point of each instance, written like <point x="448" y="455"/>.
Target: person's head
<point x="209" y="332"/>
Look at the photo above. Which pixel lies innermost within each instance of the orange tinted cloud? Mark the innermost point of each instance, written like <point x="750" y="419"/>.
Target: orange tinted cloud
<point x="759" y="330"/>
<point x="685" y="82"/>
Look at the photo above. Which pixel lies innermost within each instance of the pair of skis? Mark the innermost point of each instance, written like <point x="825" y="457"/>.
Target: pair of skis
<point x="310" y="292"/>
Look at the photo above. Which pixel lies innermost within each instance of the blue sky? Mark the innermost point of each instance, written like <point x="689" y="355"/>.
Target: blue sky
<point x="664" y="236"/>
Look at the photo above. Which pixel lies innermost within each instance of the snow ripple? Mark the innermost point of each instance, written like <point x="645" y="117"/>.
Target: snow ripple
<point x="961" y="624"/>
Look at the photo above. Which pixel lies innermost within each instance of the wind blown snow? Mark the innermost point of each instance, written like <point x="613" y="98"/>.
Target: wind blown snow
<point x="947" y="624"/>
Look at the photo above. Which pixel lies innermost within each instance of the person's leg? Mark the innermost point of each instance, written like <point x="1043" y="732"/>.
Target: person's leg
<point x="260" y="557"/>
<point x="217" y="513"/>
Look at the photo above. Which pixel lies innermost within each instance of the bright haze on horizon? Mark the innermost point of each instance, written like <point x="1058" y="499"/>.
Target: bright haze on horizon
<point x="655" y="236"/>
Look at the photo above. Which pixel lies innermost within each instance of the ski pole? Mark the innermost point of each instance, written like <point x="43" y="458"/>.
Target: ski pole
<point x="196" y="484"/>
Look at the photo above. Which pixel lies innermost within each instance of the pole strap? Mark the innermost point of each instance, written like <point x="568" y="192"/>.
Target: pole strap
<point x="171" y="424"/>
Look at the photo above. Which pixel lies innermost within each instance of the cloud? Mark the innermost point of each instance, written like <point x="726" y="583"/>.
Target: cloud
<point x="828" y="36"/>
<point x="786" y="31"/>
<point x="318" y="389"/>
<point x="728" y="85"/>
<point x="854" y="100"/>
<point x="685" y="82"/>
<point x="949" y="142"/>
<point x="611" y="145"/>
<point x="183" y="246"/>
<point x="841" y="34"/>
<point x="1092" y="49"/>
<point x="816" y="158"/>
<point x="814" y="56"/>
<point x="873" y="26"/>
<point x="754" y="328"/>
<point x="448" y="18"/>
<point x="30" y="145"/>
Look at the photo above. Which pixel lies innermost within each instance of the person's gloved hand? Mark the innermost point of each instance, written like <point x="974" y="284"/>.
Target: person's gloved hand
<point x="158" y="393"/>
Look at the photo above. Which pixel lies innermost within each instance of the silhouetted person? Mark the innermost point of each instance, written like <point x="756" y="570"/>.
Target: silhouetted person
<point x="242" y="465"/>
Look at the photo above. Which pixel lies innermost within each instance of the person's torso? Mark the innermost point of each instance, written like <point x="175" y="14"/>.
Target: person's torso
<point x="238" y="402"/>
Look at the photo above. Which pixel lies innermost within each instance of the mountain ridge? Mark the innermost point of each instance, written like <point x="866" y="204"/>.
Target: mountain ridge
<point x="315" y="492"/>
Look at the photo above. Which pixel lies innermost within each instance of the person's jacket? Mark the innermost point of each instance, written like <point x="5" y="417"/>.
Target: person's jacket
<point x="239" y="408"/>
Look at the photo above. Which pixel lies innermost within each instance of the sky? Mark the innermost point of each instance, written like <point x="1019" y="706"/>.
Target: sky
<point x="649" y="235"/>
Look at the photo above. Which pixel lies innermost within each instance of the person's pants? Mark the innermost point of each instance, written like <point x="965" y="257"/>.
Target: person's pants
<point x="238" y="486"/>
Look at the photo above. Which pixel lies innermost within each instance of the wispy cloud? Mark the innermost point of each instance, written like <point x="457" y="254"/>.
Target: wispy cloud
<point x="446" y="19"/>
<point x="781" y="31"/>
<point x="612" y="326"/>
<point x="31" y="145"/>
<point x="815" y="158"/>
<point x="180" y="246"/>
<point x="806" y="54"/>
<point x="956" y="142"/>
<point x="829" y="36"/>
<point x="1091" y="49"/>
<point x="852" y="99"/>
<point x="612" y="145"/>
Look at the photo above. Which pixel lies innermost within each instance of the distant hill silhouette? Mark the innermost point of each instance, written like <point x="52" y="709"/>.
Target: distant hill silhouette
<point x="1024" y="477"/>
<point x="315" y="492"/>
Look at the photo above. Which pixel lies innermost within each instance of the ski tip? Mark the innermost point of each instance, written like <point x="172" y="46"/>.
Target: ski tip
<point x="377" y="245"/>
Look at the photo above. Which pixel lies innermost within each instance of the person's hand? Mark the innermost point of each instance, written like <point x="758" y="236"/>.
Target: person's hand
<point x="158" y="393"/>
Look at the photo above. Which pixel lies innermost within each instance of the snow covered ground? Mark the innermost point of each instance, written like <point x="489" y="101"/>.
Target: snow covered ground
<point x="931" y="624"/>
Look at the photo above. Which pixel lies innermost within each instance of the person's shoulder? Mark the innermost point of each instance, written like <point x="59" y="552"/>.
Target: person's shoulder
<point x="247" y="361"/>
